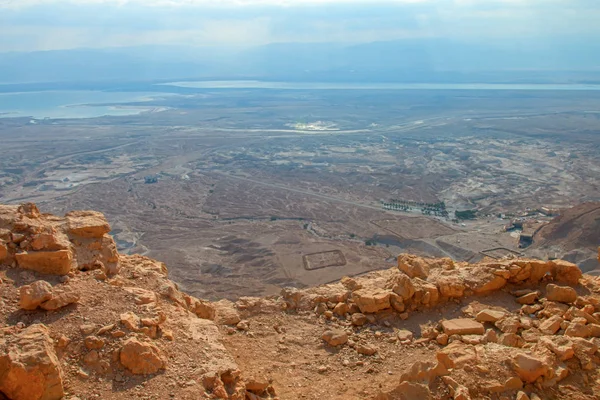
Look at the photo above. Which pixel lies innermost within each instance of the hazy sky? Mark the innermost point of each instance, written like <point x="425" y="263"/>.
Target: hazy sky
<point x="53" y="24"/>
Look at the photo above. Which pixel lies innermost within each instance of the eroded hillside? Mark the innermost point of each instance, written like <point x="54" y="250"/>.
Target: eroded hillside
<point x="80" y="321"/>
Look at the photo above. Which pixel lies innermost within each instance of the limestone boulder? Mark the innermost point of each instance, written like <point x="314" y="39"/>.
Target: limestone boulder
<point x="335" y="337"/>
<point x="371" y="300"/>
<point x="46" y="262"/>
<point x="142" y="296"/>
<point x="450" y="286"/>
<point x="29" y="368"/>
<point x="577" y="329"/>
<point x="457" y="355"/>
<point x="529" y="368"/>
<point x="90" y="224"/>
<point x="60" y="299"/>
<point x="32" y="296"/>
<point x="226" y="313"/>
<point x="141" y="358"/>
<point x="488" y="315"/>
<point x="551" y="325"/>
<point x="358" y="319"/>
<point x="413" y="266"/>
<point x="426" y="293"/>
<point x="562" y="294"/>
<point x="489" y="283"/>
<point x="462" y="326"/>
<point x="565" y="272"/>
<point x="560" y="345"/>
<point x="402" y="285"/>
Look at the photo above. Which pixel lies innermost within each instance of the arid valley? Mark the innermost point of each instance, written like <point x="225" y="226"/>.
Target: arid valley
<point x="244" y="191"/>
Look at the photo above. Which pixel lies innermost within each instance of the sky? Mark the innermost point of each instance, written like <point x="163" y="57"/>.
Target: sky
<point x="29" y="25"/>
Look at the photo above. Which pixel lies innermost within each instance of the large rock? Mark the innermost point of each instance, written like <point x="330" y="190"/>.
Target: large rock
<point x="89" y="224"/>
<point x="462" y="326"/>
<point x="413" y="266"/>
<point x="60" y="299"/>
<point x="402" y="285"/>
<point x="426" y="292"/>
<point x="334" y="337"/>
<point x="29" y="368"/>
<point x="225" y="313"/>
<point x="529" y="368"/>
<point x="562" y="294"/>
<point x="551" y="325"/>
<point x="32" y="296"/>
<point x="141" y="358"/>
<point x="450" y="286"/>
<point x="566" y="272"/>
<point x="371" y="301"/>
<point x="489" y="315"/>
<point x="46" y="262"/>
<point x="457" y="355"/>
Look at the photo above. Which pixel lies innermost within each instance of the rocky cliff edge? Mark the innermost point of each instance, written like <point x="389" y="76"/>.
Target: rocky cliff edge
<point x="80" y="321"/>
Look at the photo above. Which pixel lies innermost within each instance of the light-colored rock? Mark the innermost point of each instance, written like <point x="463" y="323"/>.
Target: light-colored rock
<point x="371" y="301"/>
<point x="462" y="326"/>
<point x="551" y="325"/>
<point x="225" y="313"/>
<point x="528" y="298"/>
<point x="426" y="292"/>
<point x="490" y="336"/>
<point x="365" y="349"/>
<point x="402" y="285"/>
<point x="341" y="309"/>
<point x="424" y="371"/>
<point x="358" y="319"/>
<point x="576" y="329"/>
<point x="60" y="299"/>
<point x="142" y="296"/>
<point x="562" y="294"/>
<point x="559" y="345"/>
<point x="46" y="262"/>
<point x="413" y="266"/>
<point x="89" y="224"/>
<point x="528" y="367"/>
<point x="131" y="321"/>
<point x="397" y="303"/>
<point x="31" y="296"/>
<point x="335" y="337"/>
<point x="93" y="342"/>
<point x="457" y="355"/>
<point x="450" y="286"/>
<point x="29" y="368"/>
<point x="511" y="340"/>
<point x="405" y="335"/>
<point x="141" y="358"/>
<point x="442" y="339"/>
<point x="509" y="325"/>
<point x="566" y="272"/>
<point x="522" y="396"/>
<point x="490" y="315"/>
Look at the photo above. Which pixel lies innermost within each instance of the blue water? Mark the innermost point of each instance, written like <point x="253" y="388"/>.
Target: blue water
<point x="378" y="86"/>
<point x="70" y="104"/>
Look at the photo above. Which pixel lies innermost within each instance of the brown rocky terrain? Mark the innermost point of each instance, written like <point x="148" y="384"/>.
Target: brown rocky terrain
<point x="573" y="236"/>
<point x="80" y="321"/>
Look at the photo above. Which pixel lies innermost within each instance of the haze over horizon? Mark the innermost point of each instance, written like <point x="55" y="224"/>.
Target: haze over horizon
<point x="163" y="39"/>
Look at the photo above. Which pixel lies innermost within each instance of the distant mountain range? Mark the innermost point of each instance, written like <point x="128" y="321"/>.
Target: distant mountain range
<point x="423" y="60"/>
